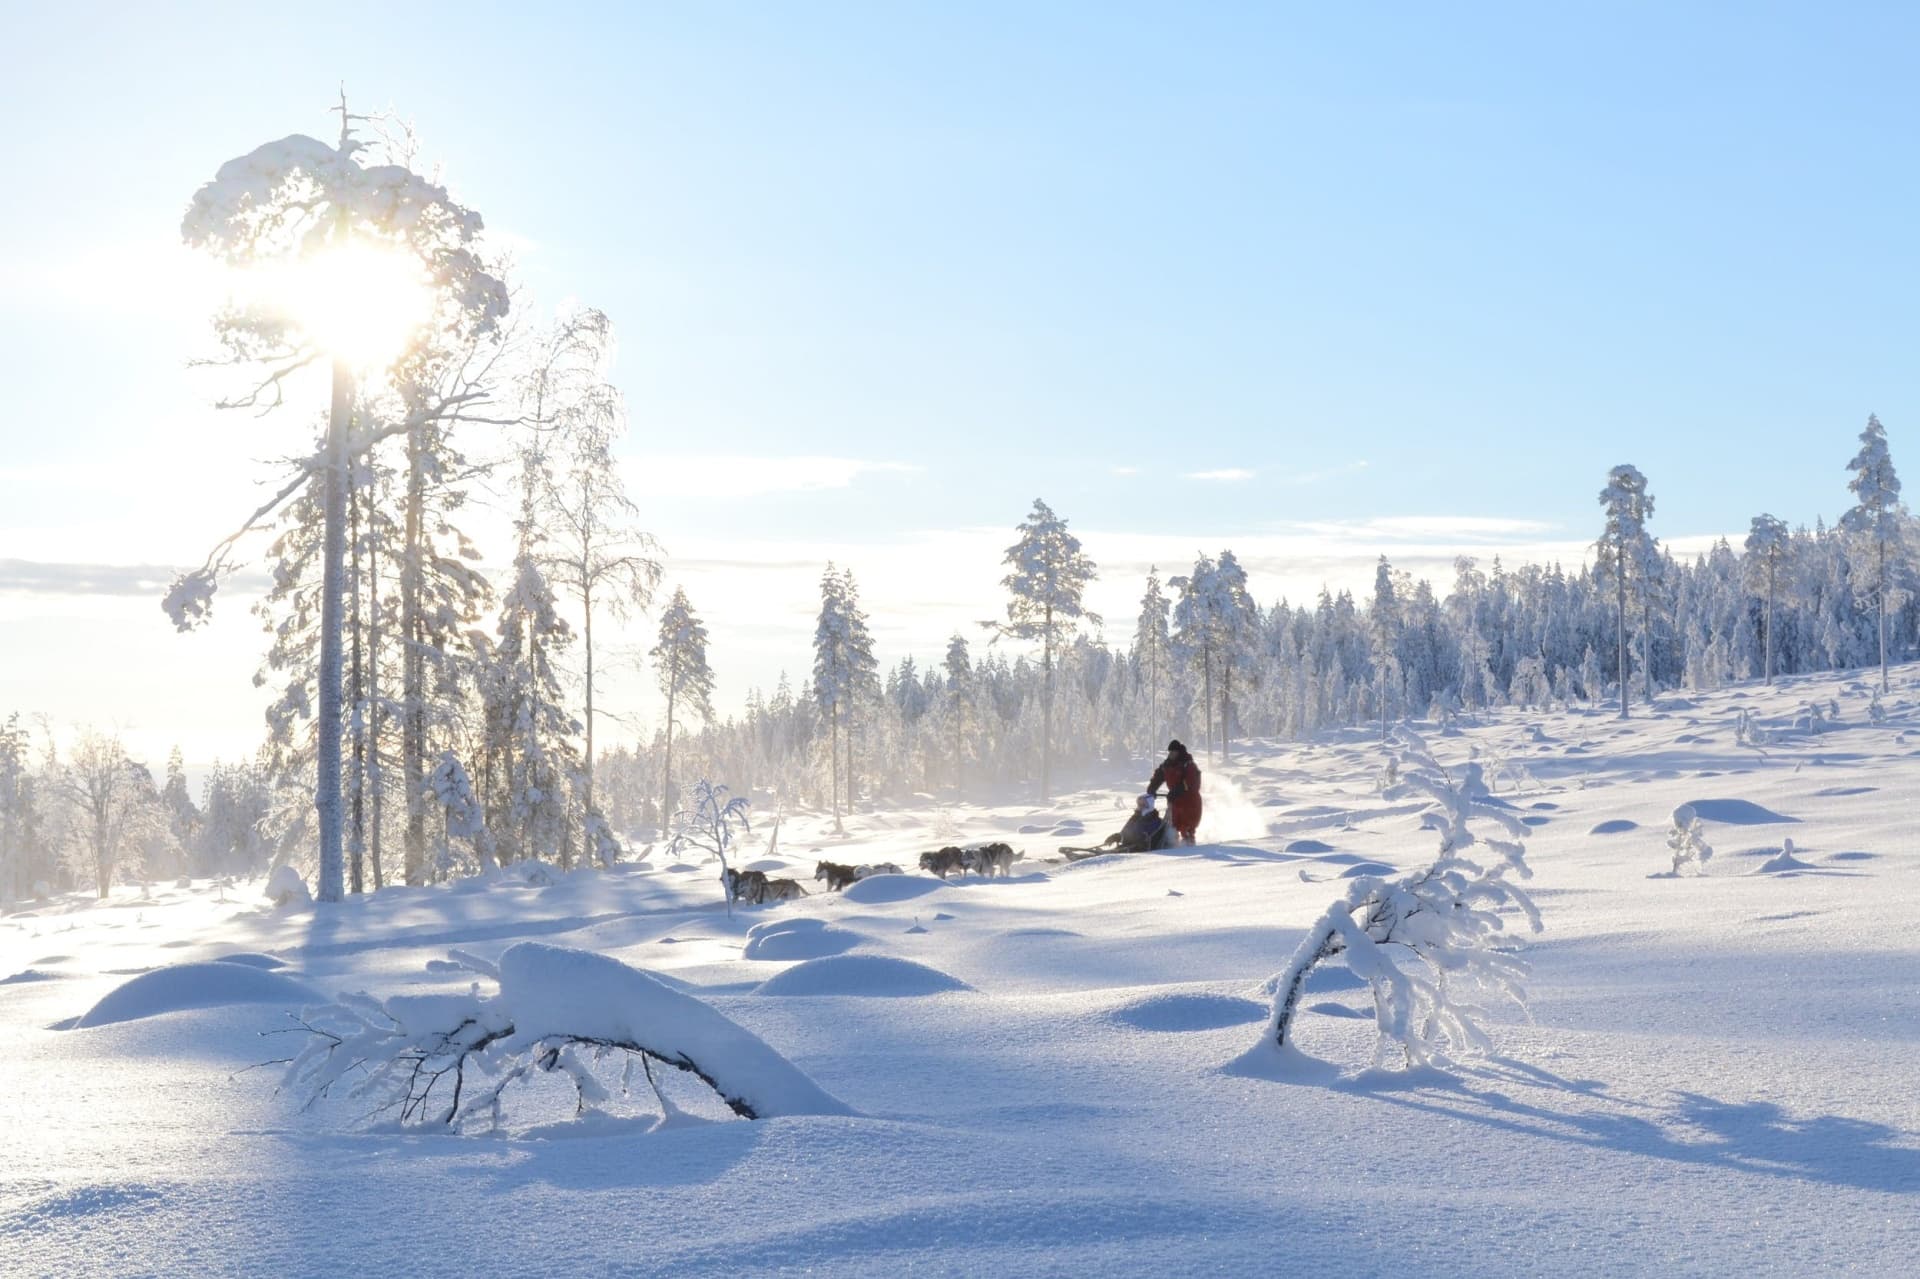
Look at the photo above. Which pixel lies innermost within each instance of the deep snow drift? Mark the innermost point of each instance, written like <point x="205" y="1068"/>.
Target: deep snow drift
<point x="1033" y="1075"/>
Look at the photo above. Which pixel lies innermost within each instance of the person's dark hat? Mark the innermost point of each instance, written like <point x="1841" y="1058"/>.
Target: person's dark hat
<point x="1176" y="745"/>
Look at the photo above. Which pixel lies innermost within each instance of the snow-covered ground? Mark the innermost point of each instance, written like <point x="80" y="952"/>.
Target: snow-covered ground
<point x="1719" y="1074"/>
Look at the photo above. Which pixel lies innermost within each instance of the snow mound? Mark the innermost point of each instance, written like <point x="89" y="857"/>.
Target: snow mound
<point x="556" y="992"/>
<point x="178" y="986"/>
<point x="286" y="888"/>
<point x="798" y="939"/>
<point x="1167" y="1014"/>
<point x="1617" y="826"/>
<point x="1366" y="868"/>
<point x="878" y="889"/>
<point x="1736" y="812"/>
<point x="250" y="958"/>
<point x="1308" y="846"/>
<point x="880" y="975"/>
<point x="27" y="975"/>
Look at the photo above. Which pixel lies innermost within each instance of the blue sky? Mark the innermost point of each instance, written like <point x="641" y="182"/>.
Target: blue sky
<point x="1397" y="263"/>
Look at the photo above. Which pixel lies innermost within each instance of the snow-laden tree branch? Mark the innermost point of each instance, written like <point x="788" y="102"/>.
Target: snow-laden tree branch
<point x="1431" y="943"/>
<point x="450" y="1060"/>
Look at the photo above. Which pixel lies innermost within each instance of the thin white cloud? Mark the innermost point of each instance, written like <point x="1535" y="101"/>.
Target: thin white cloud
<point x="1226" y="475"/>
<point x="1304" y="478"/>
<point x="724" y="475"/>
<point x="1126" y="470"/>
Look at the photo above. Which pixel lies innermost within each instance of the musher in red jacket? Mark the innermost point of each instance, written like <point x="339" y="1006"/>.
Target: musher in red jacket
<point x="1181" y="776"/>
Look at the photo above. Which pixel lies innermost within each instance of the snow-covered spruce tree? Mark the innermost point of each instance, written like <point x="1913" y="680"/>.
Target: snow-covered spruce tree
<point x="1046" y="587"/>
<point x="957" y="701"/>
<point x="1236" y="621"/>
<point x="1431" y="943"/>
<point x="1876" y="518"/>
<point x="685" y="679"/>
<point x="1195" y="633"/>
<point x="464" y="817"/>
<point x="1153" y="656"/>
<point x="1621" y="548"/>
<point x="337" y="226"/>
<point x="865" y="671"/>
<point x="1767" y="545"/>
<point x="843" y="671"/>
<point x="449" y="1060"/>
<point x="1383" y="627"/>
<point x="1687" y="841"/>
<point x="532" y="731"/>
<point x="1654" y="589"/>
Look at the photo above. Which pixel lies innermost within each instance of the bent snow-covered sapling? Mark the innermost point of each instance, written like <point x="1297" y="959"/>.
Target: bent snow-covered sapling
<point x="1427" y="942"/>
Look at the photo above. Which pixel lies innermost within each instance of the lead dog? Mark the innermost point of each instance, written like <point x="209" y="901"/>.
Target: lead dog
<point x="745" y="885"/>
<point x="754" y="888"/>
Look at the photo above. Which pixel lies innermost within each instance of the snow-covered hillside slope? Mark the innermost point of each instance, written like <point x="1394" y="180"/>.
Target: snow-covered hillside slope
<point x="1718" y="1075"/>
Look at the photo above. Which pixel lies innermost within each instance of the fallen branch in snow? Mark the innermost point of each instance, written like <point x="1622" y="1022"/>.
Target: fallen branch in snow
<point x="1419" y="939"/>
<point x="449" y="1059"/>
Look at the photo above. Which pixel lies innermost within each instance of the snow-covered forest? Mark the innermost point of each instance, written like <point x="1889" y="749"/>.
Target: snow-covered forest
<point x="469" y="691"/>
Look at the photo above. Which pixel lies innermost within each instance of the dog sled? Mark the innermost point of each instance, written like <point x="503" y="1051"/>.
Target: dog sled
<point x="1147" y="831"/>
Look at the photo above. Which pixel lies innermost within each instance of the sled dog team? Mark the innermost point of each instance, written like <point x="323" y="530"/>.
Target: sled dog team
<point x="1145" y="831"/>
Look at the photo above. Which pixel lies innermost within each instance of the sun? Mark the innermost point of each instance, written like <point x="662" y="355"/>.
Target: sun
<point x="361" y="303"/>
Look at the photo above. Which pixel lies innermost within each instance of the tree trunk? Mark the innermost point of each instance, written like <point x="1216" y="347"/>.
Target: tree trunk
<point x="326" y="799"/>
<point x="357" y="844"/>
<point x="413" y="664"/>
<point x="586" y="603"/>
<point x="375" y="777"/>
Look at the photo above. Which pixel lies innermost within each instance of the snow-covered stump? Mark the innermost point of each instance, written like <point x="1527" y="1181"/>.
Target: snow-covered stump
<point x="448" y="1059"/>
<point x="1425" y="941"/>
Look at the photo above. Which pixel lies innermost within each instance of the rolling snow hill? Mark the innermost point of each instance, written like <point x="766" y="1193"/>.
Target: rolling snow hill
<point x="1716" y="1076"/>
